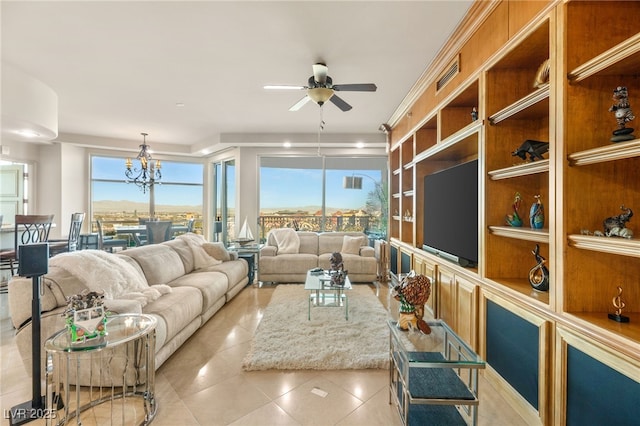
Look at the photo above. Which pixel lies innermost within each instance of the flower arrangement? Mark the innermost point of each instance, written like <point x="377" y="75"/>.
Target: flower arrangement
<point x="86" y="316"/>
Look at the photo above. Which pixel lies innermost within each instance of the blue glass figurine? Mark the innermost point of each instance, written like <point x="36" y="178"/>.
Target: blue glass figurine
<point x="514" y="218"/>
<point x="536" y="214"/>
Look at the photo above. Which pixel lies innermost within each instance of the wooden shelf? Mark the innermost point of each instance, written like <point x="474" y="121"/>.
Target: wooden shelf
<point x="612" y="245"/>
<point x="530" y="168"/>
<point x="519" y="233"/>
<point x="629" y="330"/>
<point x="452" y="147"/>
<point x="522" y="287"/>
<point x="621" y="59"/>
<point x="614" y="151"/>
<point x="522" y="105"/>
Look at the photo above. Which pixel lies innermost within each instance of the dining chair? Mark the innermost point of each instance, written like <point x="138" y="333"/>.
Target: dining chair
<point x="107" y="243"/>
<point x="28" y="229"/>
<point x="57" y="246"/>
<point x="159" y="231"/>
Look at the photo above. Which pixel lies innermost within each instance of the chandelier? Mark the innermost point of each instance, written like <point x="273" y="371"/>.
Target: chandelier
<point x="148" y="173"/>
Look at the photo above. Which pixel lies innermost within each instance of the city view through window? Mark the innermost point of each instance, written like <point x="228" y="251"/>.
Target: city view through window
<point x="289" y="197"/>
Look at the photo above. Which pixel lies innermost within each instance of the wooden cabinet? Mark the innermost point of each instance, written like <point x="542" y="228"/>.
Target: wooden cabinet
<point x="426" y="267"/>
<point x="533" y="77"/>
<point x="595" y="266"/>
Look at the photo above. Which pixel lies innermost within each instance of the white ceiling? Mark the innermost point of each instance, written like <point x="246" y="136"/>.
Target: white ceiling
<point x="119" y="68"/>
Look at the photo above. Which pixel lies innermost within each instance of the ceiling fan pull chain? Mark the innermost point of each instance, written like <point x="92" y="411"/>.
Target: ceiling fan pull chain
<point x="320" y="129"/>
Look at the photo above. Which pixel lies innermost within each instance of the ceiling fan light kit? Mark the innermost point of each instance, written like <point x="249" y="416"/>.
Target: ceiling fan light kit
<point x="320" y="89"/>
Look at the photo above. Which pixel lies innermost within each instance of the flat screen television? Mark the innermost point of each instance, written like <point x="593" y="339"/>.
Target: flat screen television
<point x="450" y="213"/>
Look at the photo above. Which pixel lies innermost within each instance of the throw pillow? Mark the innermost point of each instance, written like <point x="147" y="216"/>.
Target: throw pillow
<point x="351" y="245"/>
<point x="217" y="251"/>
<point x="287" y="240"/>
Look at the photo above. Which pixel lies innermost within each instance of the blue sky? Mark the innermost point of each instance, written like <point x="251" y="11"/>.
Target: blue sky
<point x="291" y="188"/>
<point x="279" y="188"/>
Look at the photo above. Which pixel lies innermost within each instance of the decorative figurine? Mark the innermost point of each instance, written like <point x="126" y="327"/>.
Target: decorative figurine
<point x="542" y="76"/>
<point x="337" y="273"/>
<point x="535" y="149"/>
<point x="474" y="114"/>
<point x="514" y="218"/>
<point x="539" y="274"/>
<point x="623" y="114"/>
<point x="619" y="304"/>
<point x="536" y="214"/>
<point x="86" y="317"/>
<point x="413" y="292"/>
<point x="614" y="226"/>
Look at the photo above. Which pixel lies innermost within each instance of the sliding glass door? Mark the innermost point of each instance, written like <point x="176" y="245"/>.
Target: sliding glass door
<point x="318" y="194"/>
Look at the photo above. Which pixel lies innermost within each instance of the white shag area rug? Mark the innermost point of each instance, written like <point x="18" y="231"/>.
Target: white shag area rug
<point x="286" y="340"/>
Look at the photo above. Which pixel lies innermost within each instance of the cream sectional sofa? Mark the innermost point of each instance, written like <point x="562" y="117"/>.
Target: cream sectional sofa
<point x="314" y="251"/>
<point x="182" y="283"/>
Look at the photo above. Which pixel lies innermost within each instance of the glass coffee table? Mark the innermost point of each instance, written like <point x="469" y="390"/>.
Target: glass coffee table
<point x="111" y="377"/>
<point x="323" y="294"/>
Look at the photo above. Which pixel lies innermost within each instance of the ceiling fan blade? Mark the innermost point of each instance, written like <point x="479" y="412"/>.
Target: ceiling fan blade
<point x="340" y="103"/>
<point x="285" y="87"/>
<point x="364" y="87"/>
<point x="302" y="102"/>
<point x="320" y="73"/>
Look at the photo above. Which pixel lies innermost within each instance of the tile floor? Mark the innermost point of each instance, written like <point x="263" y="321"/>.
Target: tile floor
<point x="203" y="383"/>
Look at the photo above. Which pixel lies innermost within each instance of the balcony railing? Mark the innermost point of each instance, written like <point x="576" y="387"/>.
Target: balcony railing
<point x="347" y="223"/>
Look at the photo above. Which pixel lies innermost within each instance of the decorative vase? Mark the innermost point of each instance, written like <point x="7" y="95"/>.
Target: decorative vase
<point x="536" y="214"/>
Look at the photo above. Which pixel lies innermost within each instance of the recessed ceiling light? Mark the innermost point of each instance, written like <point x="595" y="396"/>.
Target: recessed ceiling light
<point x="28" y="133"/>
<point x="287" y="144"/>
<point x="360" y="145"/>
<point x="179" y="104"/>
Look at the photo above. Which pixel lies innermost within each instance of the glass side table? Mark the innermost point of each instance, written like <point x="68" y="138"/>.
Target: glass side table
<point x="433" y="378"/>
<point x="107" y="380"/>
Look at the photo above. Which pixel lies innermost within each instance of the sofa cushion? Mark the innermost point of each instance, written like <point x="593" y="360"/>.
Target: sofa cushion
<point x="288" y="263"/>
<point x="217" y="251"/>
<point x="351" y="245"/>
<point x="159" y="262"/>
<point x="177" y="309"/>
<point x="213" y="285"/>
<point x="235" y="271"/>
<point x="185" y="252"/>
<point x="287" y="240"/>
<point x="330" y="242"/>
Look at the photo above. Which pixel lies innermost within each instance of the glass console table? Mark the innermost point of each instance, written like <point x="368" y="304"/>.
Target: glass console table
<point x="433" y="379"/>
<point x="109" y="379"/>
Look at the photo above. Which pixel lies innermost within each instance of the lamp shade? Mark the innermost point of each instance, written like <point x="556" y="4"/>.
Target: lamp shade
<point x="320" y="95"/>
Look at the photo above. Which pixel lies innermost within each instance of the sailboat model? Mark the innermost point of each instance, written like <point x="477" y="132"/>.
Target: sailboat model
<point x="244" y="236"/>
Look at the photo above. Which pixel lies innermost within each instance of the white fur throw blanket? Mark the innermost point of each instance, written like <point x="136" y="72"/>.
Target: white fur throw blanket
<point x="287" y="239"/>
<point x="125" y="288"/>
<point x="201" y="258"/>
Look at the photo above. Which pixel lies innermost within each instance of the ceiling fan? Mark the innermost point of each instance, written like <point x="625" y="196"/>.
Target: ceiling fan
<point x="320" y="89"/>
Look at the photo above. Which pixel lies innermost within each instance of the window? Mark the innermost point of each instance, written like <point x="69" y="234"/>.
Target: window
<point x="224" y="175"/>
<point x="308" y="193"/>
<point x="178" y="197"/>
<point x="14" y="190"/>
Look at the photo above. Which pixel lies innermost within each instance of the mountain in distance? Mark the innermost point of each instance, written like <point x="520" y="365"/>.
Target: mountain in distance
<point x="111" y="206"/>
